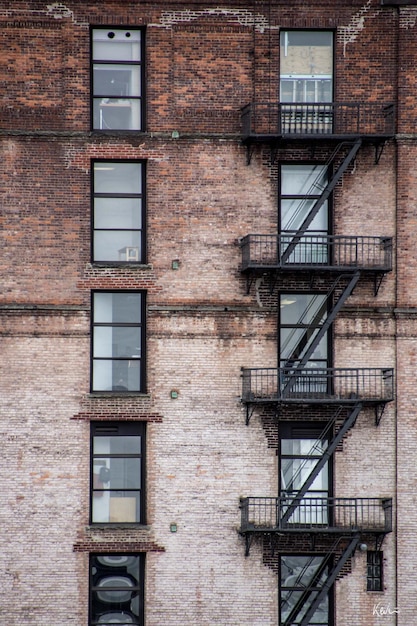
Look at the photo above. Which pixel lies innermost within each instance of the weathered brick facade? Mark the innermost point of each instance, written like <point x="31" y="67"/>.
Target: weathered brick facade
<point x="205" y="190"/>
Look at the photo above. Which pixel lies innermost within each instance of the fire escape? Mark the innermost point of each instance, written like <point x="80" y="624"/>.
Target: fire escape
<point x="338" y="262"/>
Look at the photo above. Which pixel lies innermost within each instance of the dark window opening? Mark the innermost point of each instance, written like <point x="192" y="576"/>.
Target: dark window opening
<point x="374" y="571"/>
<point x="116" y="589"/>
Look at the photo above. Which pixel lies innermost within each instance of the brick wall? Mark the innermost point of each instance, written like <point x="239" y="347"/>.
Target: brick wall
<point x="204" y="61"/>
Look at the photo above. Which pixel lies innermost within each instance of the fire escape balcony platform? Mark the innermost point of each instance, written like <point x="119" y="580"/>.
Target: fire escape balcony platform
<point x="289" y="385"/>
<point x="315" y="252"/>
<point x="264" y="515"/>
<point x="266" y="122"/>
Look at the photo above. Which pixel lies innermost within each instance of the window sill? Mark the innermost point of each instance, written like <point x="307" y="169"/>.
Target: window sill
<point x="123" y="264"/>
<point x="376" y="593"/>
<point x="120" y="526"/>
<point x="118" y="131"/>
<point x="119" y="394"/>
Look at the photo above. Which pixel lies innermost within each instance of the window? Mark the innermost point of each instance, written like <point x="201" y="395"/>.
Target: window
<point x="117" y="471"/>
<point x="374" y="570"/>
<point x="117" y="78"/>
<point x="301" y="448"/>
<point x="306" y="81"/>
<point x="118" y="341"/>
<point x="301" y="317"/>
<point x="116" y="589"/>
<point x="301" y="185"/>
<point x="301" y="580"/>
<point x="118" y="212"/>
<point x="306" y="66"/>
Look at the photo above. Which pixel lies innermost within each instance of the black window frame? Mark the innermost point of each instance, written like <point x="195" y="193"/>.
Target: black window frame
<point x="141" y="99"/>
<point x="116" y="389"/>
<point x="97" y="566"/>
<point x="142" y="257"/>
<point x="374" y="570"/>
<point x="118" y="429"/>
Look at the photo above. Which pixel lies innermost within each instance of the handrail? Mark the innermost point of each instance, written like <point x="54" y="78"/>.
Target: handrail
<point x="265" y="514"/>
<point x="347" y="385"/>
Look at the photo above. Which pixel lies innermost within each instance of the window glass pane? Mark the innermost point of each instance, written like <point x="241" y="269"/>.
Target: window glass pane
<point x="109" y="375"/>
<point x="303" y="179"/>
<point x="117" y="336"/>
<point x="116" y="507"/>
<point x="116" y="80"/>
<point x="116" y="114"/>
<point x="118" y="213"/>
<point x="116" y="45"/>
<point x="294" y="342"/>
<point x="296" y="472"/>
<point x="117" y="476"/>
<point x="117" y="342"/>
<point x="121" y="473"/>
<point x="299" y="308"/>
<point x="301" y="185"/>
<point x="114" y="178"/>
<point x="288" y="91"/>
<point x="297" y="447"/>
<point x="117" y="307"/>
<point x="117" y="246"/>
<point x="295" y="211"/>
<point x="308" y="53"/>
<point x="102" y="376"/>
<point x="117" y="444"/>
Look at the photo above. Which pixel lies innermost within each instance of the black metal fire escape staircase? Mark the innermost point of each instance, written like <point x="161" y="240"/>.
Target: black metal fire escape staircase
<point x="296" y="500"/>
<point x="305" y="346"/>
<point x="294" y="369"/>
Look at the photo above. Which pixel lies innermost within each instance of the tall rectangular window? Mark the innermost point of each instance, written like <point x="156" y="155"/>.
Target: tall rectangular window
<point x="306" y="66"/>
<point x="374" y="563"/>
<point x="302" y="446"/>
<point x="301" y="318"/>
<point x="306" y="82"/>
<point x="118" y="334"/>
<point x="117" y="78"/>
<point x="116" y="589"/>
<point x="301" y="580"/>
<point x="301" y="185"/>
<point x="118" y="211"/>
<point x="117" y="472"/>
